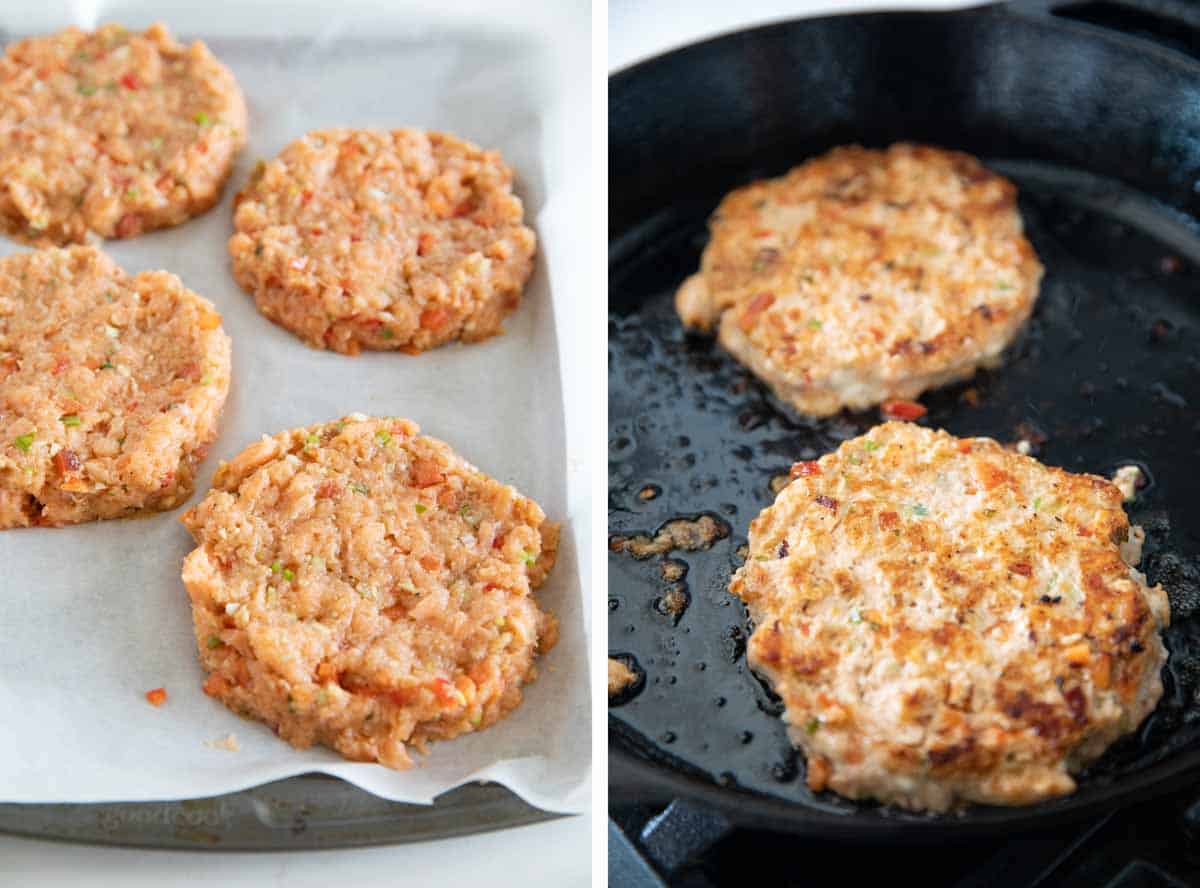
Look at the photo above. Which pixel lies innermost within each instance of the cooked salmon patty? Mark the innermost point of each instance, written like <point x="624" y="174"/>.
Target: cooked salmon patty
<point x="358" y="585"/>
<point x="378" y="239"/>
<point x="111" y="386"/>
<point x="863" y="276"/>
<point x="948" y="621"/>
<point x="112" y="131"/>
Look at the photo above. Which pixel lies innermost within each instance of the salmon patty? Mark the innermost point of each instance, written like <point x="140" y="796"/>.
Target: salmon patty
<point x="863" y="276"/>
<point x="377" y="239"/>
<point x="358" y="585"/>
<point x="114" y="132"/>
<point x="948" y="621"/>
<point x="111" y="386"/>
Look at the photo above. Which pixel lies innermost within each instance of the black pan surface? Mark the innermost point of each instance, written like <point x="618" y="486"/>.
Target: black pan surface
<point x="1107" y="373"/>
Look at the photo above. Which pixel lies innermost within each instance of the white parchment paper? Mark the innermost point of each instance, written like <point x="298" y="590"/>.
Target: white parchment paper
<point x="93" y="616"/>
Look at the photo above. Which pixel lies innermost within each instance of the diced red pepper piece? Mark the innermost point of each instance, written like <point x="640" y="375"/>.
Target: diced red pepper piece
<point x="67" y="462"/>
<point x="130" y="81"/>
<point x="804" y="469"/>
<point x="901" y="409"/>
<point x="443" y="690"/>
<point x="433" y="318"/>
<point x="156" y="697"/>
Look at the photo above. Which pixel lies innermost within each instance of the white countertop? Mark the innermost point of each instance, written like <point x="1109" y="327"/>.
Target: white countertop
<point x="552" y="854"/>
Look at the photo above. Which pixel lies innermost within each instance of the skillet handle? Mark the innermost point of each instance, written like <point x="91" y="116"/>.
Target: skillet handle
<point x="1174" y="24"/>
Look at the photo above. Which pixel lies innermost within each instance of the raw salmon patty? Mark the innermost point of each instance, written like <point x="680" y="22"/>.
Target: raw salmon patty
<point x="112" y="131"/>
<point x="110" y="387"/>
<point x="378" y="239"/>
<point x="358" y="585"/>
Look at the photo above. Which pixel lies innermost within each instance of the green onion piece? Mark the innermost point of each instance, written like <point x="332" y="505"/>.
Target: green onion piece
<point x="812" y="726"/>
<point x="70" y="420"/>
<point x="289" y="574"/>
<point x="388" y="334"/>
<point x="86" y="89"/>
<point x="107" y="365"/>
<point x="384" y="438"/>
<point x="310" y="440"/>
<point x="360" y="488"/>
<point x="871" y="446"/>
<point x="213" y="642"/>
<point x="528" y="557"/>
<point x="202" y="118"/>
<point x="814" y="324"/>
<point x="276" y="566"/>
<point x="1037" y="502"/>
<point x="156" y="142"/>
<point x="420" y="507"/>
<point x="132" y="193"/>
<point x="206" y="379"/>
<point x="917" y="509"/>
<point x="24" y="442"/>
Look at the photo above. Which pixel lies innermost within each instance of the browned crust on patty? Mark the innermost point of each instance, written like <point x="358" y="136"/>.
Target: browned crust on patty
<point x="358" y="585"/>
<point x="864" y="275"/>
<point x="377" y="239"/>
<point x="112" y="131"/>
<point x="948" y="621"/>
<point x="111" y="386"/>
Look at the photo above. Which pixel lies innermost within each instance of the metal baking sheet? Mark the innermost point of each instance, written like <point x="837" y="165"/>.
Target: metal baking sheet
<point x="95" y="615"/>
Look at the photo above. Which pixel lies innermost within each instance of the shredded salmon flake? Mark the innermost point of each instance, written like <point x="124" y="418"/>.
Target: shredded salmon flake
<point x="156" y="697"/>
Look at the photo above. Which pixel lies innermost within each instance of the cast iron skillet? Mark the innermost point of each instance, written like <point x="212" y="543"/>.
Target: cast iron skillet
<point x="1101" y="131"/>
